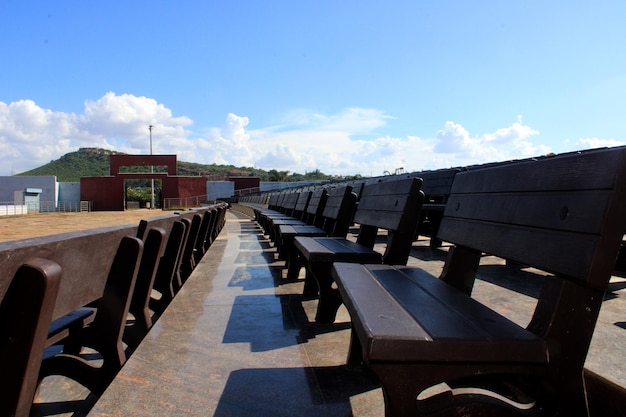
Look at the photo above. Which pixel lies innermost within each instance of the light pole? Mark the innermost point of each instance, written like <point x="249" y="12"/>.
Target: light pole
<point x="151" y="172"/>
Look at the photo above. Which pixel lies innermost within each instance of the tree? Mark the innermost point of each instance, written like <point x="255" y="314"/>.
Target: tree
<point x="277" y="176"/>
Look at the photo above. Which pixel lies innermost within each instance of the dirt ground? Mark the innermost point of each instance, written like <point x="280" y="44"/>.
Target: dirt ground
<point x="33" y="225"/>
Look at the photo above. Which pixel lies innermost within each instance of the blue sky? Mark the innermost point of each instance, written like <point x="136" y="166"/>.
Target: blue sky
<point x="347" y="87"/>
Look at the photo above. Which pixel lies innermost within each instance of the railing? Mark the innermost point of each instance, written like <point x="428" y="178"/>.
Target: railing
<point x="184" y="203"/>
<point x="247" y="191"/>
<point x="9" y="209"/>
<point x="132" y="205"/>
<point x="12" y="209"/>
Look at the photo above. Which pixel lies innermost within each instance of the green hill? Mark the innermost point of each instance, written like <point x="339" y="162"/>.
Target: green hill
<point x="94" y="162"/>
<point x="71" y="166"/>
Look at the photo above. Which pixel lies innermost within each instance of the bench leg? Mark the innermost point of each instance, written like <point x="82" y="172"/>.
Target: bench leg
<point x="95" y="379"/>
<point x="402" y="383"/>
<point x="355" y="353"/>
<point x="435" y="243"/>
<point x="311" y="289"/>
<point x="329" y="297"/>
<point x="293" y="262"/>
<point x="435" y="219"/>
<point x="400" y="391"/>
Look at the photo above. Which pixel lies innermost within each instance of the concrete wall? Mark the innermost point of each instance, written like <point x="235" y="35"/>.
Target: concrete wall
<point x="273" y="185"/>
<point x="48" y="185"/>
<point x="69" y="191"/>
<point x="216" y="190"/>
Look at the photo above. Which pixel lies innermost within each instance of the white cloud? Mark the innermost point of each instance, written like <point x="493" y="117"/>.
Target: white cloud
<point x="513" y="134"/>
<point x="591" y="143"/>
<point x="355" y="120"/>
<point x="512" y="142"/>
<point x="31" y="136"/>
<point x="122" y="122"/>
<point x="345" y="143"/>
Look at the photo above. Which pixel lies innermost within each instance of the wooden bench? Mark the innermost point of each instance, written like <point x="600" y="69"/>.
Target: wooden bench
<point x="218" y="221"/>
<point x="106" y="332"/>
<point x="167" y="279"/>
<point x="274" y="205"/>
<point x="293" y="210"/>
<point x="312" y="214"/>
<point x="25" y="314"/>
<point x="187" y="263"/>
<point x="436" y="187"/>
<point x="153" y="232"/>
<point x="393" y="206"/>
<point x="69" y="328"/>
<point x="143" y="319"/>
<point x="204" y="235"/>
<point x="563" y="215"/>
<point x="335" y="220"/>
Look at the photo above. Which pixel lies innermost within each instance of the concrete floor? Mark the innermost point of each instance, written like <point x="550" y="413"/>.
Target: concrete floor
<point x="240" y="341"/>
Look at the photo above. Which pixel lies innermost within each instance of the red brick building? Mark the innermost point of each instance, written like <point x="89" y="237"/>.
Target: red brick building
<point x="107" y="193"/>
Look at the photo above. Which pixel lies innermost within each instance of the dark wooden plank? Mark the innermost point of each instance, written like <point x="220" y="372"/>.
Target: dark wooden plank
<point x="303" y="201"/>
<point x="63" y="327"/>
<point x="590" y="170"/>
<point x="513" y="243"/>
<point x="139" y="306"/>
<point x="334" y="202"/>
<point x="399" y="325"/>
<point x="25" y="315"/>
<point x="576" y="211"/>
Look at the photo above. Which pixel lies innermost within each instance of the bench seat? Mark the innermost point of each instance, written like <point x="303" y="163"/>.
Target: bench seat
<point x="63" y="327"/>
<point x="331" y="249"/>
<point x="400" y="303"/>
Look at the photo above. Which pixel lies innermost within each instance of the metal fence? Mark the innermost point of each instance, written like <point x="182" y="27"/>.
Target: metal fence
<point x="12" y="209"/>
<point x="247" y="191"/>
<point x="184" y="203"/>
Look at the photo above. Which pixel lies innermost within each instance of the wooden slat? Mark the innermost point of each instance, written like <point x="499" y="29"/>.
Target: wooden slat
<point x="514" y="243"/>
<point x="394" y="319"/>
<point x="560" y="211"/>
<point x="592" y="170"/>
<point x="387" y="204"/>
<point x="334" y="201"/>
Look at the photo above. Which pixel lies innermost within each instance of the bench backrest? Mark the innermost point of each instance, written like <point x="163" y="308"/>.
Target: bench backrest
<point x="289" y="203"/>
<point x="220" y="220"/>
<point x="203" y="234"/>
<point x="166" y="278"/>
<point x="338" y="210"/>
<point x="213" y="228"/>
<point x="25" y="314"/>
<point x="564" y="215"/>
<point x="302" y="203"/>
<point x="272" y="200"/>
<point x="187" y="263"/>
<point x="164" y="222"/>
<point x="315" y="208"/>
<point x="437" y="184"/>
<point x="139" y="308"/>
<point x="395" y="207"/>
<point x="280" y="200"/>
<point x="113" y="307"/>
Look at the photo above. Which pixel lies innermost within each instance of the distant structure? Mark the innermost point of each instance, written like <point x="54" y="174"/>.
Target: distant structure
<point x="107" y="193"/>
